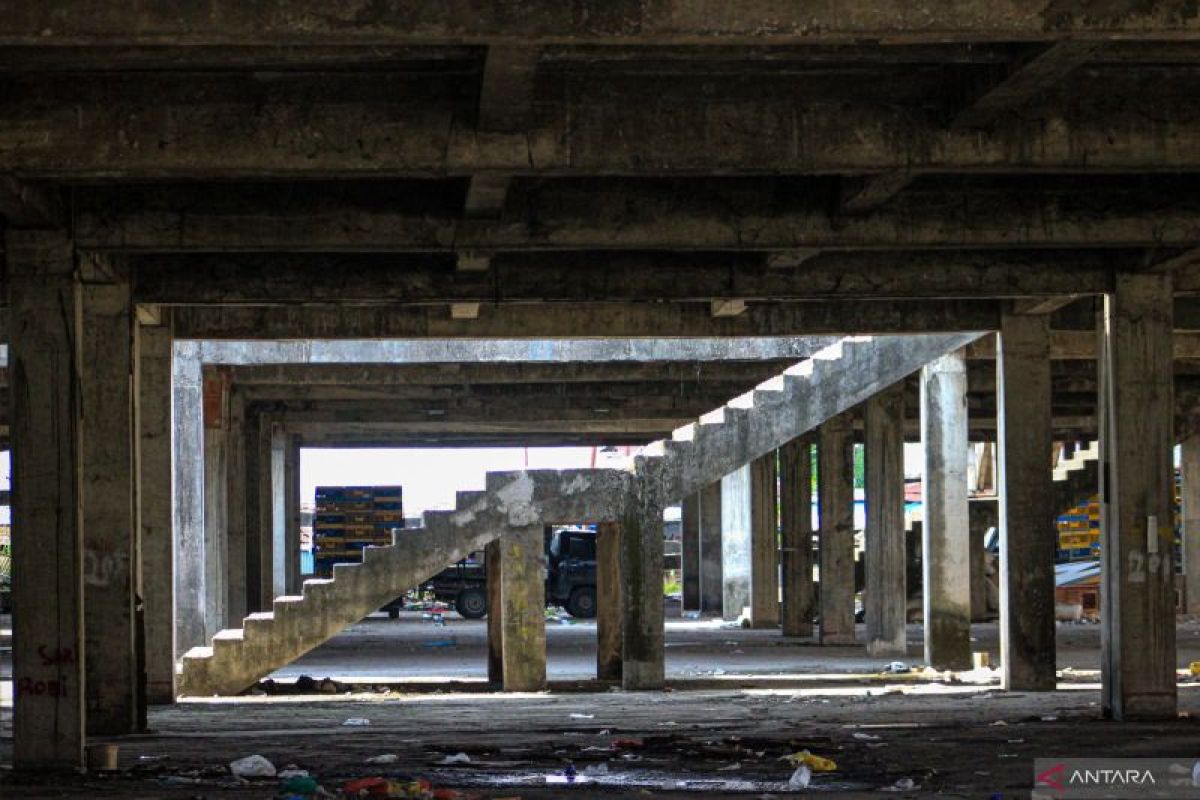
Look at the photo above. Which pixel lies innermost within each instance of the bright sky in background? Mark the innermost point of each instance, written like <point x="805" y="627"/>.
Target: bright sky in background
<point x="430" y="477"/>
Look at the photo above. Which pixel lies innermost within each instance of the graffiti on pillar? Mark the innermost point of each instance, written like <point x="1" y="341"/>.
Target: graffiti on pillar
<point x="48" y="687"/>
<point x="100" y="568"/>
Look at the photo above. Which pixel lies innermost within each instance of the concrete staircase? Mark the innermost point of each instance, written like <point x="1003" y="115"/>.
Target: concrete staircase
<point x="834" y="380"/>
<point x="1077" y="477"/>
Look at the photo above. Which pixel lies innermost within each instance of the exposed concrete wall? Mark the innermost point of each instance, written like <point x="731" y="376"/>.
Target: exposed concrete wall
<point x="1027" y="531"/>
<point x="1136" y="512"/>
<point x="946" y="546"/>
<point x="155" y="493"/>
<point x="47" y="504"/>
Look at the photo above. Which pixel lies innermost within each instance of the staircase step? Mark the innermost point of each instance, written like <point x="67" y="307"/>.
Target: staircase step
<point x="467" y="501"/>
<point x="198" y="653"/>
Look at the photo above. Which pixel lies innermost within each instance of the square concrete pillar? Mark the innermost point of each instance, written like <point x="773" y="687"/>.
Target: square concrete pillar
<point x="156" y="514"/>
<point x="711" y="583"/>
<point x="280" y="513"/>
<point x="492" y="565"/>
<point x="764" y="542"/>
<point x="1028" y="535"/>
<point x="690" y="552"/>
<point x="946" y="544"/>
<point x="111" y="558"/>
<point x="47" y="428"/>
<point x="1190" y="500"/>
<point x="291" y="480"/>
<point x="749" y="543"/>
<point x="608" y="602"/>
<point x="237" y="487"/>
<point x="642" y="634"/>
<point x="835" y="475"/>
<point x="189" y="458"/>
<point x="796" y="535"/>
<point x="260" y="518"/>
<point x="218" y="567"/>
<point x="886" y="591"/>
<point x="523" y="609"/>
<point x="1137" y="594"/>
<point x="736" y="540"/>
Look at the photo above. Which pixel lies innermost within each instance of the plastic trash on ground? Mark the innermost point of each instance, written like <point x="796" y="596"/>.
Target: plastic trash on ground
<point x="897" y="668"/>
<point x="356" y="722"/>
<point x="252" y="767"/>
<point x="386" y="758"/>
<point x="902" y="785"/>
<point x="800" y="777"/>
<point x="813" y="762"/>
<point x="457" y="758"/>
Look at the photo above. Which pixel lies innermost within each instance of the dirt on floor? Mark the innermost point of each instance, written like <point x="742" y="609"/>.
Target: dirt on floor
<point x="708" y="736"/>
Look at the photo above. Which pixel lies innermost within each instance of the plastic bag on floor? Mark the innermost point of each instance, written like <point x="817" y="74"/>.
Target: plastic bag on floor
<point x="800" y="777"/>
<point x="252" y="767"/>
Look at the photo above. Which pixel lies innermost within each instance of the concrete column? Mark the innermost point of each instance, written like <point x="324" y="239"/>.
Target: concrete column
<point x="218" y="567"/>
<point x="981" y="515"/>
<point x="764" y="543"/>
<point x="522" y="608"/>
<point x="735" y="542"/>
<point x="1027" y="530"/>
<point x="795" y="512"/>
<point x="690" y="535"/>
<point x="110" y="555"/>
<point x="946" y="546"/>
<point x="1136" y="489"/>
<point x="291" y="479"/>
<point x="155" y="493"/>
<point x="642" y="639"/>
<point x="711" y="581"/>
<point x="1190" y="500"/>
<point x="608" y="602"/>
<point x="886" y="591"/>
<point x="835" y="474"/>
<point x="279" y="517"/>
<point x="47" y="428"/>
<point x="492" y="564"/>
<point x="189" y="458"/>
<point x="237" y="474"/>
<point x="258" y="496"/>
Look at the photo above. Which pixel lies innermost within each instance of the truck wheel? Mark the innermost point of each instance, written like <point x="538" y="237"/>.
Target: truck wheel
<point x="393" y="613"/>
<point x="471" y="603"/>
<point x="582" y="602"/>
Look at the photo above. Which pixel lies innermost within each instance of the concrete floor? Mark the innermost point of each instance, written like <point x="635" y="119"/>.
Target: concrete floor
<point x="723" y="737"/>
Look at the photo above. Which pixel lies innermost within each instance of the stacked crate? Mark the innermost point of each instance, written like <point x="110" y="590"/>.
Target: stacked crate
<point x="349" y="518"/>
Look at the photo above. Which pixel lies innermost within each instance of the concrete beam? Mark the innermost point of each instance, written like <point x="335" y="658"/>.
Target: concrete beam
<point x="266" y="279"/>
<point x="1025" y="80"/>
<point x="643" y="22"/>
<point x="25" y="205"/>
<point x="618" y="320"/>
<point x="617" y="215"/>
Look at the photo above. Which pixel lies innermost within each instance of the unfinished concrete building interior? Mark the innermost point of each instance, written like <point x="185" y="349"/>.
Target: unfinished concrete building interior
<point x="882" y="315"/>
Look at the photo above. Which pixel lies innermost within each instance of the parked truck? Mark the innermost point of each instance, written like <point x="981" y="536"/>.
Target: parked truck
<point x="570" y="578"/>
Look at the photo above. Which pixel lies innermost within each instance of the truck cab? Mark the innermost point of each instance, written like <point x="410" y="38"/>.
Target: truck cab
<point x="571" y="570"/>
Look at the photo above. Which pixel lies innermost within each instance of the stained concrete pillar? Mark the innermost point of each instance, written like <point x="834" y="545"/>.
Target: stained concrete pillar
<point x="259" y="507"/>
<point x="218" y="568"/>
<point x="946" y="545"/>
<point x="835" y="475"/>
<point x="110" y="556"/>
<point x="1136" y="490"/>
<point x="711" y="582"/>
<point x="280" y="512"/>
<point x="690" y="552"/>
<point x="764" y="543"/>
<point x="1027" y="530"/>
<point x="795" y="513"/>
<point x="1190" y="501"/>
<point x="608" y="602"/>
<point x="522" y="609"/>
<point x="291" y="480"/>
<point x="492" y="565"/>
<point x="237" y="473"/>
<point x="188" y="464"/>
<point x="642" y="634"/>
<point x="886" y="591"/>
<point x="735" y="542"/>
<point x="155" y="498"/>
<point x="47" y="429"/>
